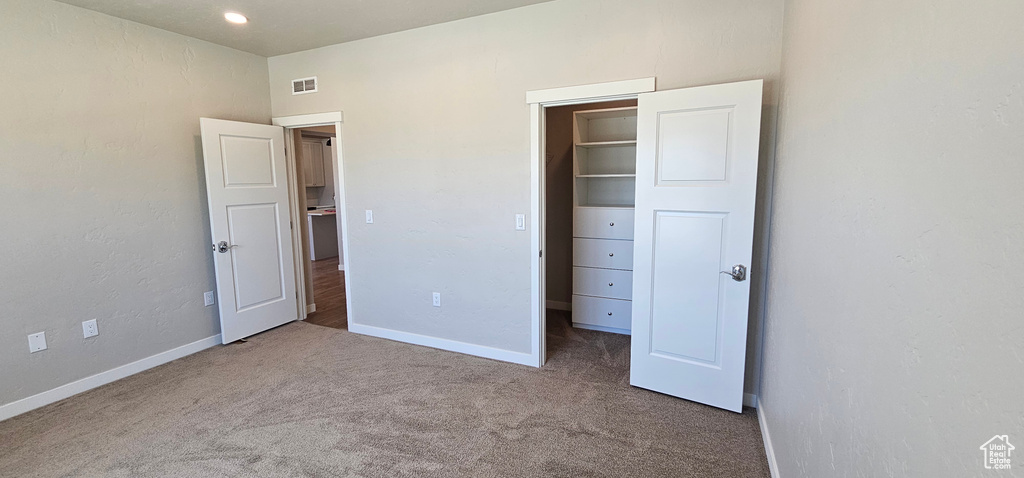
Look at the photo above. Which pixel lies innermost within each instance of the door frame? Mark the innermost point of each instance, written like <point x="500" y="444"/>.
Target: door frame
<point x="291" y="123"/>
<point x="539" y="101"/>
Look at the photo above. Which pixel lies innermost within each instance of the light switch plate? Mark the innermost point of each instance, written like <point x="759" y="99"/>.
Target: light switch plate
<point x="369" y="216"/>
<point x="37" y="342"/>
<point x="208" y="298"/>
<point x="520" y="222"/>
<point x="90" y="329"/>
<point x="437" y="299"/>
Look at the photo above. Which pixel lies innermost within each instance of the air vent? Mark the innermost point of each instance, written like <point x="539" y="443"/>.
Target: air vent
<point x="304" y="85"/>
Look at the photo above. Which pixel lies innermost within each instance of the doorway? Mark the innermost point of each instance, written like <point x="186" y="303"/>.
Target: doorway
<point x="321" y="229"/>
<point x="589" y="157"/>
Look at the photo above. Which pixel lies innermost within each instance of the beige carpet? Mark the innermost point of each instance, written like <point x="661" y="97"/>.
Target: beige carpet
<point x="304" y="400"/>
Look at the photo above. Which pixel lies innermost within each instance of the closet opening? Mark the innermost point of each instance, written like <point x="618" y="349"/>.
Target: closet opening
<point x="321" y="226"/>
<point x="589" y="195"/>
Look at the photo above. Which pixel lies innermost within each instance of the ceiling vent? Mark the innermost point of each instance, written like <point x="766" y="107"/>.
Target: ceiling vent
<point x="304" y="85"/>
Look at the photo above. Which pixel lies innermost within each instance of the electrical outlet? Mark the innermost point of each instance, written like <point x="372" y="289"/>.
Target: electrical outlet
<point x="520" y="222"/>
<point x="369" y="216"/>
<point x="37" y="342"/>
<point x="89" y="329"/>
<point x="208" y="298"/>
<point x="437" y="299"/>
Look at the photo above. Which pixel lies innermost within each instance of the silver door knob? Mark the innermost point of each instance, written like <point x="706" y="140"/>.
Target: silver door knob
<point x="223" y="246"/>
<point x="738" y="273"/>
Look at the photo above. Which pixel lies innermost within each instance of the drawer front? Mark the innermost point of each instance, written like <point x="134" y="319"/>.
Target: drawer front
<point x="604" y="312"/>
<point x="602" y="283"/>
<point x="604" y="253"/>
<point x="603" y="223"/>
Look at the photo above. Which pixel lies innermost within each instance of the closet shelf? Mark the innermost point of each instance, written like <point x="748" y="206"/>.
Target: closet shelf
<point x="606" y="175"/>
<point x="606" y="144"/>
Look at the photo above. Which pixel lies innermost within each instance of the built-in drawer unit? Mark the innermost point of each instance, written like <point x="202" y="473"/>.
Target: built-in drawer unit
<point x="603" y="253"/>
<point x="603" y="223"/>
<point x="602" y="283"/>
<point x="601" y="312"/>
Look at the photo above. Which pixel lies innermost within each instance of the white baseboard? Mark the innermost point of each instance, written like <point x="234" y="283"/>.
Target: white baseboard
<point x="601" y="328"/>
<point x="769" y="451"/>
<point x="310" y="308"/>
<point x="750" y="400"/>
<point x="559" y="305"/>
<point x="341" y="267"/>
<point x="88" y="383"/>
<point x="445" y="344"/>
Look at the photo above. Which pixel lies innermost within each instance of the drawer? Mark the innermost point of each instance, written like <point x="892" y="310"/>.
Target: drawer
<point x="604" y="253"/>
<point x="602" y="283"/>
<point x="603" y="223"/>
<point x="603" y="312"/>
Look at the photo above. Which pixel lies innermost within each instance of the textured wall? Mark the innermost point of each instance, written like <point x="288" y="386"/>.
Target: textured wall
<point x="894" y="342"/>
<point x="436" y="140"/>
<point x="101" y="187"/>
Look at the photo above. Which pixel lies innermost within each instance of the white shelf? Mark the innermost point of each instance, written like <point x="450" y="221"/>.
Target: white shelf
<point x="606" y="175"/>
<point x="595" y="144"/>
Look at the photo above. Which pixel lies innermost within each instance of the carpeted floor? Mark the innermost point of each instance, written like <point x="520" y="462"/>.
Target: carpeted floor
<point x="305" y="400"/>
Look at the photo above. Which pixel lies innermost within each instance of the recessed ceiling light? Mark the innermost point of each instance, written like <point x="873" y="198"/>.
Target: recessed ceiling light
<point x="235" y="17"/>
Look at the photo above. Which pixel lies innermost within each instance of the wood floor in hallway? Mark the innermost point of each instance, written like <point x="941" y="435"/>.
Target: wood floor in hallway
<point x="329" y="295"/>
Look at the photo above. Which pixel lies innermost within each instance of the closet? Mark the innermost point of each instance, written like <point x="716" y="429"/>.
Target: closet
<point x="604" y="191"/>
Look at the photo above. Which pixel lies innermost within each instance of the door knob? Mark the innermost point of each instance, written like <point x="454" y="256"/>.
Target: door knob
<point x="738" y="273"/>
<point x="223" y="246"/>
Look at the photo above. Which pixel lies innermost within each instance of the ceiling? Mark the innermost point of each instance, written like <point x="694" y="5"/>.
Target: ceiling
<point x="277" y="27"/>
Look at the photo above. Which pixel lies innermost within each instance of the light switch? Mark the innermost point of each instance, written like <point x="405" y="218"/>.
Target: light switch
<point x="369" y="216"/>
<point x="520" y="222"/>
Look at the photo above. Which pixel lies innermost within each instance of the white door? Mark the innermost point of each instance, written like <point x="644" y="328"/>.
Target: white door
<point x="695" y="187"/>
<point x="247" y="188"/>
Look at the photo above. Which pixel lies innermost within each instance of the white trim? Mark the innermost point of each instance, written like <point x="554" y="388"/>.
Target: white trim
<point x="315" y="119"/>
<point x="311" y="307"/>
<point x="444" y="344"/>
<point x="340" y="201"/>
<point x="88" y="383"/>
<point x="750" y="400"/>
<point x="602" y="328"/>
<point x="769" y="451"/>
<point x="341" y="267"/>
<point x="569" y="95"/>
<point x="559" y="305"/>
<point x="539" y="100"/>
<point x="538" y="316"/>
<point x="297" y="222"/>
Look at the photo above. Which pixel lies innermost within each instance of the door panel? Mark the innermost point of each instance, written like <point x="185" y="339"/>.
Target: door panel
<point x="256" y="261"/>
<point x="687" y="254"/>
<point x="696" y="178"/>
<point x="247" y="191"/>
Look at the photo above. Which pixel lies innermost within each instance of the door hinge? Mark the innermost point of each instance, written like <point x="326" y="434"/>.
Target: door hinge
<point x="542" y="253"/>
<point x="291" y="224"/>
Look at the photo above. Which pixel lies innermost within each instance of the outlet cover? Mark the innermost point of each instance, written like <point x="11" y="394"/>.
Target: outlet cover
<point x="520" y="222"/>
<point x="208" y="298"/>
<point x="89" y="329"/>
<point x="437" y="299"/>
<point x="37" y="342"/>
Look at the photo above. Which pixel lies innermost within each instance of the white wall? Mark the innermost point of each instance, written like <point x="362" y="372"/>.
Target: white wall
<point x="104" y="208"/>
<point x="894" y="343"/>
<point x="436" y="139"/>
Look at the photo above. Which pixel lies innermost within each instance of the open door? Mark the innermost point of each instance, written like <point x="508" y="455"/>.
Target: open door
<point x="695" y="188"/>
<point x="247" y="188"/>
